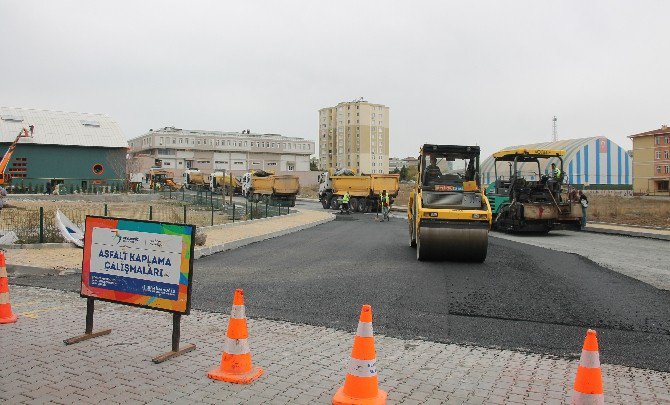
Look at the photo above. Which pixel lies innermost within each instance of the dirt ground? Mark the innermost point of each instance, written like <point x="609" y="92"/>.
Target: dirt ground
<point x="22" y="216"/>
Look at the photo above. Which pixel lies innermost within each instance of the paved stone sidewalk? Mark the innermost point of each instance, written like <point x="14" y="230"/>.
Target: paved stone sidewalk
<point x="303" y="364"/>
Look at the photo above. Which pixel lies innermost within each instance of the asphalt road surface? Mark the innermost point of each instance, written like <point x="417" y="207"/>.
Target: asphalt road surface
<point x="522" y="297"/>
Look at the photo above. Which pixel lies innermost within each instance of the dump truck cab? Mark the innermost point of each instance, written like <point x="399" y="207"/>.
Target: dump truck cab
<point x="526" y="199"/>
<point x="449" y="216"/>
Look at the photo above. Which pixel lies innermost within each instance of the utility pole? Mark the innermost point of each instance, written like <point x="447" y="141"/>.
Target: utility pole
<point x="555" y="132"/>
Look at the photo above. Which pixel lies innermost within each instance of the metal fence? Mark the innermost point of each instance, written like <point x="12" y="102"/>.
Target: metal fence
<point x="37" y="225"/>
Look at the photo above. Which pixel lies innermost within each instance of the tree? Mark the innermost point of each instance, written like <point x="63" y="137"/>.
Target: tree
<point x="314" y="164"/>
<point x="397" y="171"/>
<point x="403" y="173"/>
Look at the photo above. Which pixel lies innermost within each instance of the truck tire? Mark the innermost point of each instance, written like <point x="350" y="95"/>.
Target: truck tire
<point x="325" y="202"/>
<point x="353" y="205"/>
<point x="334" y="204"/>
<point x="412" y="238"/>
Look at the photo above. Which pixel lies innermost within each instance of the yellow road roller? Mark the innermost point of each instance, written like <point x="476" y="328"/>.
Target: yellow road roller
<point x="449" y="215"/>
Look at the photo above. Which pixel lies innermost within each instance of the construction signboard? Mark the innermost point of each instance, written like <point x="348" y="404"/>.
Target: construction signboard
<point x="141" y="263"/>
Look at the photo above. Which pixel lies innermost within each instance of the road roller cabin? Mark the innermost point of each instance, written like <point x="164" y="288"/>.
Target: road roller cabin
<point x="449" y="215"/>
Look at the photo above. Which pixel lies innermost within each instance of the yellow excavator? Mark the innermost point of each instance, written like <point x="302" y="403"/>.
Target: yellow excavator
<point x="449" y="215"/>
<point x="5" y="178"/>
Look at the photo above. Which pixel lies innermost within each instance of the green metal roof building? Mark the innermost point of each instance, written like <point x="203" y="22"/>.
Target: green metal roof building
<point x="84" y="152"/>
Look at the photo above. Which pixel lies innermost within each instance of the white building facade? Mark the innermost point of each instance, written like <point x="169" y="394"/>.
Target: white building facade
<point x="180" y="149"/>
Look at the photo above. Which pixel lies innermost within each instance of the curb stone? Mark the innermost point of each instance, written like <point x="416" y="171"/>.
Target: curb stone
<point x="210" y="250"/>
<point x="626" y="233"/>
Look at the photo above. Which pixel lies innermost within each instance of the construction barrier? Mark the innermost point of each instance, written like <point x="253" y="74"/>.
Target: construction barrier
<point x="6" y="314"/>
<point x="360" y="384"/>
<point x="236" y="364"/>
<point x="588" y="389"/>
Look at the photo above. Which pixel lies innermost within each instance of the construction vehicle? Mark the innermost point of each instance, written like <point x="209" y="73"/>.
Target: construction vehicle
<point x="274" y="189"/>
<point x="449" y="215"/>
<point x="136" y="180"/>
<point x="364" y="190"/>
<point x="527" y="200"/>
<point x="194" y="179"/>
<point x="5" y="178"/>
<point x="160" y="179"/>
<point x="220" y="182"/>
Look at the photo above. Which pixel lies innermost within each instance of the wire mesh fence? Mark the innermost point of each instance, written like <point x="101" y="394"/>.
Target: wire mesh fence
<point x="37" y="224"/>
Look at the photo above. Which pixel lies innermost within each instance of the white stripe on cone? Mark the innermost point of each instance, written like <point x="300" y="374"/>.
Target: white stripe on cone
<point x="364" y="329"/>
<point x="587" y="399"/>
<point x="589" y="359"/>
<point x="236" y="346"/>
<point x="4" y="298"/>
<point x="237" y="312"/>
<point x="363" y="368"/>
<point x="3" y="271"/>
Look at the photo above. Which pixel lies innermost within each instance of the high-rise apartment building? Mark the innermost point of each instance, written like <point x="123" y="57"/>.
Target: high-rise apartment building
<point x="354" y="135"/>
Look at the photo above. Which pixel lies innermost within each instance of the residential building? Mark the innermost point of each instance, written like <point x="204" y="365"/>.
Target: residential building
<point x="396" y="163"/>
<point x="79" y="150"/>
<point x="651" y="161"/>
<point x="354" y="135"/>
<point x="208" y="151"/>
<point x="594" y="162"/>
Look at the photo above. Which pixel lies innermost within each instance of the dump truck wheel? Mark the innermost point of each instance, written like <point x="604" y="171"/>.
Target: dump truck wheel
<point x="334" y="204"/>
<point x="353" y="205"/>
<point x="412" y="239"/>
<point x="325" y="202"/>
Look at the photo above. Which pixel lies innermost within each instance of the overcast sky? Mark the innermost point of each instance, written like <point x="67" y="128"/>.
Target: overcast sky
<point x="487" y="73"/>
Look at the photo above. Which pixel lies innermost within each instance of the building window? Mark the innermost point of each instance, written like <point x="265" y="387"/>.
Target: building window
<point x="238" y="163"/>
<point x="666" y="154"/>
<point x="667" y="169"/>
<point x="290" y="167"/>
<point x="255" y="163"/>
<point x="272" y="164"/>
<point x="658" y="140"/>
<point x="658" y="154"/>
<point x="667" y="140"/>
<point x="160" y="140"/>
<point x="658" y="169"/>
<point x="180" y="140"/>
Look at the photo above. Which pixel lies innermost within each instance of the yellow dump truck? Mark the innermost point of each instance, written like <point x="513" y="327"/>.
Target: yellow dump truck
<point x="271" y="188"/>
<point x="220" y="182"/>
<point x="364" y="190"/>
<point x="195" y="180"/>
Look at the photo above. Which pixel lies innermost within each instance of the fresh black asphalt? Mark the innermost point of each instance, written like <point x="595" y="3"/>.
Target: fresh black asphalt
<point x="522" y="297"/>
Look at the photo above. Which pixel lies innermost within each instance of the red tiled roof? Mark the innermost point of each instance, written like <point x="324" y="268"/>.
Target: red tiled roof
<point x="664" y="130"/>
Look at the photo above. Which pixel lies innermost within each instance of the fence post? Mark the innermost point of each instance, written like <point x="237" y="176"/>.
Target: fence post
<point x="233" y="212"/>
<point x="184" y="214"/>
<point x="41" y="224"/>
<point x="212" y="215"/>
<point x="151" y="212"/>
<point x="183" y="192"/>
<point x="266" y="209"/>
<point x="105" y="209"/>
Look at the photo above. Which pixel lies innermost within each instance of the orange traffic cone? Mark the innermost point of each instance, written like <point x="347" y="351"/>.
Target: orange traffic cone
<point x="589" y="381"/>
<point x="6" y="315"/>
<point x="360" y="384"/>
<point x="236" y="358"/>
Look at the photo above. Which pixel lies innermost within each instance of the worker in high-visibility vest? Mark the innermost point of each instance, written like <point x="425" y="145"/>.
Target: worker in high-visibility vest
<point x="386" y="205"/>
<point x="345" y="202"/>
